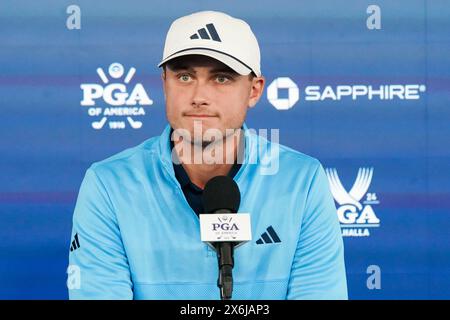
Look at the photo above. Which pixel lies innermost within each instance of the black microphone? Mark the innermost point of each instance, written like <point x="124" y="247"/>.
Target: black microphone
<point x="222" y="195"/>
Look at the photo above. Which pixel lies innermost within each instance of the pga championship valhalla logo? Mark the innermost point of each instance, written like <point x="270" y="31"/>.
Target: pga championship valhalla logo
<point x="117" y="104"/>
<point x="356" y="217"/>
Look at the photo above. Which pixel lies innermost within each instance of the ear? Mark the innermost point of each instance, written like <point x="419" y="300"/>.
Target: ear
<point x="163" y="78"/>
<point x="256" y="90"/>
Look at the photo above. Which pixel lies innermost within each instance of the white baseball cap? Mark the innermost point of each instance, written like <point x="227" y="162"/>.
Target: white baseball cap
<point x="216" y="35"/>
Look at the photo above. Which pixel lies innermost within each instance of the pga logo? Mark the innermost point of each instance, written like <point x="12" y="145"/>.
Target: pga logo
<point x="121" y="101"/>
<point x="224" y="225"/>
<point x="115" y="94"/>
<point x="356" y="215"/>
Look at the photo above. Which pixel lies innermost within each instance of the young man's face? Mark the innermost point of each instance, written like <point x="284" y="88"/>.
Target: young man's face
<point x="202" y="89"/>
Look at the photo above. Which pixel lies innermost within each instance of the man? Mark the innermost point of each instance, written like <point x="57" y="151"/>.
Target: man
<point x="136" y="222"/>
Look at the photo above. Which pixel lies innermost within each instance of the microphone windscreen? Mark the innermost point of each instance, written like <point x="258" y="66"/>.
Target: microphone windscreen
<point x="221" y="192"/>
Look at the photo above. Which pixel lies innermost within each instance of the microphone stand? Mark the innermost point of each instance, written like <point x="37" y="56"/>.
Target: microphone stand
<point x="226" y="264"/>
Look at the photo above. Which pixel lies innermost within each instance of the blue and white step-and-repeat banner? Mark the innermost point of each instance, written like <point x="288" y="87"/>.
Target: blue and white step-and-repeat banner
<point x="364" y="86"/>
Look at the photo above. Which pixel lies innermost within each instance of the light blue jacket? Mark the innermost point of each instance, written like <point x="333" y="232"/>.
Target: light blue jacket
<point x="138" y="238"/>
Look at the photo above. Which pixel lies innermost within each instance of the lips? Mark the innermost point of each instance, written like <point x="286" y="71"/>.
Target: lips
<point x="200" y="116"/>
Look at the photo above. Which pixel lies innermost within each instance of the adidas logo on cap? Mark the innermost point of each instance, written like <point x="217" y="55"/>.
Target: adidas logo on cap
<point x="204" y="34"/>
<point x="215" y="35"/>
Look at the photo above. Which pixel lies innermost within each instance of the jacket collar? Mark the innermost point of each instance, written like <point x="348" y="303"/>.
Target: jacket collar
<point x="166" y="152"/>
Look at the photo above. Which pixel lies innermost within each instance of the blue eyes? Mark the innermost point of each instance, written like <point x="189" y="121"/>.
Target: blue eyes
<point x="224" y="78"/>
<point x="184" y="77"/>
<point x="219" y="78"/>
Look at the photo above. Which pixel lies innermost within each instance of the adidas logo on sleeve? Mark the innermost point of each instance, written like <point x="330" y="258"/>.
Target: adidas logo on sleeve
<point x="75" y="243"/>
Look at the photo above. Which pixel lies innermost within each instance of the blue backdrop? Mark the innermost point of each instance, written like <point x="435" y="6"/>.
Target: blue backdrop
<point x="396" y="236"/>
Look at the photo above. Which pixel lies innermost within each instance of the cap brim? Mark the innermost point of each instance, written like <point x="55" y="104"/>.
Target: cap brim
<point x="228" y="60"/>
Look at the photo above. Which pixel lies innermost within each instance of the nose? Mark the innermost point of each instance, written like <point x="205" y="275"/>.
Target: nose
<point x="200" y="95"/>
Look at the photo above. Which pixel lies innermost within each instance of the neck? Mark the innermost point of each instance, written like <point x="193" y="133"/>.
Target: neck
<point x="202" y="163"/>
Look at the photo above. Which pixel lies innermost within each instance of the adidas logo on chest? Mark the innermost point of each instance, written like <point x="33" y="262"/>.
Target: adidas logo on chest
<point x="269" y="237"/>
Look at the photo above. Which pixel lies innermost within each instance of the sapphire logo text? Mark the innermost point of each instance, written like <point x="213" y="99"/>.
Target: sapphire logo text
<point x="346" y="92"/>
